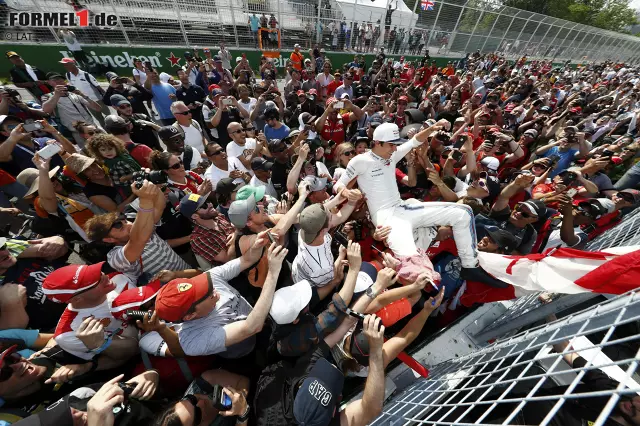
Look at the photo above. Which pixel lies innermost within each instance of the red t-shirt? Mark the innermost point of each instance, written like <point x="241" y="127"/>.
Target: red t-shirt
<point x="335" y="130"/>
<point x="191" y="187"/>
<point x="331" y="87"/>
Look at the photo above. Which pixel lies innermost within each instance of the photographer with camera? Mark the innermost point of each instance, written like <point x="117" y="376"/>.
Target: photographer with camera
<point x="11" y="104"/>
<point x="136" y="94"/>
<point x="68" y="105"/>
<point x="138" y="251"/>
<point x="215" y="393"/>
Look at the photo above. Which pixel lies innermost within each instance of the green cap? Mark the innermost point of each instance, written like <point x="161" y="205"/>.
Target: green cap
<point x="247" y="191"/>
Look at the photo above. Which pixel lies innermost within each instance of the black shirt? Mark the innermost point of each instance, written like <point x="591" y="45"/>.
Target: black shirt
<point x="91" y="189"/>
<point x="279" y="173"/>
<point x="43" y="313"/>
<point x="144" y="135"/>
<point x="192" y="94"/>
<point x="135" y="94"/>
<point x="20" y="75"/>
<point x="232" y="115"/>
<point x="359" y="91"/>
<point x="278" y="384"/>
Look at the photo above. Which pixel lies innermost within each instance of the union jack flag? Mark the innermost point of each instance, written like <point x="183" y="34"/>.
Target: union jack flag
<point x="427" y="4"/>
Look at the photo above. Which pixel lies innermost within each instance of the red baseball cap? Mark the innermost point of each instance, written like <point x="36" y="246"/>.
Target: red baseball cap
<point x="331" y="99"/>
<point x="403" y="98"/>
<point x="67" y="61"/>
<point x="300" y="92"/>
<point x="134" y="298"/>
<point x="616" y="160"/>
<point x="64" y="283"/>
<point x="313" y="92"/>
<point x="213" y="86"/>
<point x="178" y="296"/>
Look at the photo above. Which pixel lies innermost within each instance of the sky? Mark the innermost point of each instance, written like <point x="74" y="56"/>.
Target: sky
<point x="635" y="4"/>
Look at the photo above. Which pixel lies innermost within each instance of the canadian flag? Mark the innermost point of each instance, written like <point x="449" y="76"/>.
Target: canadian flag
<point x="564" y="270"/>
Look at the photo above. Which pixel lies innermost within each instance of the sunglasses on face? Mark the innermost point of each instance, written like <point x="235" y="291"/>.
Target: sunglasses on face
<point x="218" y="152"/>
<point x="541" y="166"/>
<point x="278" y="150"/>
<point x="119" y="223"/>
<point x="523" y="211"/>
<point x="176" y="166"/>
<point x="91" y="133"/>
<point x="123" y="106"/>
<point x="348" y="153"/>
<point x="236" y="132"/>
<point x="624" y="195"/>
<point x="249" y="129"/>
<point x="197" y="417"/>
<point x="6" y="371"/>
<point x="183" y="113"/>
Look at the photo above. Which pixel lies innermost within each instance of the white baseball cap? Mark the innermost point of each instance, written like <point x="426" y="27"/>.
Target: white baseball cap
<point x="288" y="302"/>
<point x="388" y="132"/>
<point x="491" y="163"/>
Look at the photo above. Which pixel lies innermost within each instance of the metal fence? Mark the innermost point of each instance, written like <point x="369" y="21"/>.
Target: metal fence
<point x="450" y="28"/>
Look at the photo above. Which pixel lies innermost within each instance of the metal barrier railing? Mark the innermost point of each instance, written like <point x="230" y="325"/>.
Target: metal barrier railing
<point x="450" y="28"/>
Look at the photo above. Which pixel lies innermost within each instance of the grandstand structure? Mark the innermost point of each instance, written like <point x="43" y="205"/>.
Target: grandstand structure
<point x="450" y="28"/>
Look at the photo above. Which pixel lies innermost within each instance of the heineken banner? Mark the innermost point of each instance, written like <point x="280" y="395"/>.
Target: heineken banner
<point x="120" y="59"/>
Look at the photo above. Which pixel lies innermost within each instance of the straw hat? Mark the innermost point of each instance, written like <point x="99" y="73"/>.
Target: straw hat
<point x="78" y="163"/>
<point x="30" y="178"/>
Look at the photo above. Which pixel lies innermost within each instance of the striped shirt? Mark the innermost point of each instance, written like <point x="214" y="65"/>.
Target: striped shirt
<point x="156" y="256"/>
<point x="314" y="263"/>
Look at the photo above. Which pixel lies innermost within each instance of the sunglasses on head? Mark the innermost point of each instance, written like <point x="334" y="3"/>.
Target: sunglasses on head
<point x="197" y="417"/>
<point x="176" y="166"/>
<point x="523" y="211"/>
<point x="183" y="113"/>
<point x="6" y="371"/>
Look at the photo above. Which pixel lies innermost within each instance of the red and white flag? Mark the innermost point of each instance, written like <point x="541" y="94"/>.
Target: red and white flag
<point x="612" y="271"/>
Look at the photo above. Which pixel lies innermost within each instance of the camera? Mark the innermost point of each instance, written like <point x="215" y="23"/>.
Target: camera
<point x="13" y="94"/>
<point x="71" y="88"/>
<point x="220" y="399"/>
<point x="127" y="388"/>
<point x="156" y="177"/>
<point x="134" y="315"/>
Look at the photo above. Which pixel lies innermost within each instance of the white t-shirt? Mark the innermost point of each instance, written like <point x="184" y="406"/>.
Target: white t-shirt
<point x="555" y="239"/>
<point x="214" y="174"/>
<point x="71" y="320"/>
<point x="377" y="177"/>
<point x="270" y="189"/>
<point x="193" y="138"/>
<point x="85" y="86"/>
<point x="235" y="150"/>
<point x="206" y="336"/>
<point x="249" y="106"/>
<point x="141" y="74"/>
<point x="313" y="263"/>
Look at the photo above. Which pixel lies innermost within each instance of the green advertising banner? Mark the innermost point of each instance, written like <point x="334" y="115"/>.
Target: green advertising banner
<point x="120" y="59"/>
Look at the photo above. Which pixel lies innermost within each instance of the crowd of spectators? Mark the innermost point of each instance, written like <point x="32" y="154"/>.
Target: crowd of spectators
<point x="217" y="247"/>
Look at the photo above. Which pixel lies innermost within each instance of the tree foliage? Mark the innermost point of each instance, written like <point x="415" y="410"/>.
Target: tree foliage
<point x="614" y="15"/>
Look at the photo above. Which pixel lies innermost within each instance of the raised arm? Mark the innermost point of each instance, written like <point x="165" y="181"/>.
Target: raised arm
<point x="294" y="174"/>
<point x="291" y="217"/>
<point x="521" y="182"/>
<point x="145" y="221"/>
<point x="46" y="193"/>
<point x="238" y="331"/>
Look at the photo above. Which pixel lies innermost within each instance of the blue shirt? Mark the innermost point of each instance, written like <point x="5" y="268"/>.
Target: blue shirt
<point x="254" y="22"/>
<point x="271" y="133"/>
<point x="565" y="159"/>
<point x="161" y="99"/>
<point x="341" y="90"/>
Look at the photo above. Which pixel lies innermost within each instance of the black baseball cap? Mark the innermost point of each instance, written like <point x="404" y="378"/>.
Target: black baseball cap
<point x="52" y="75"/>
<point x="168" y="132"/>
<point x="117" y="100"/>
<point x="259" y="163"/>
<point x="359" y="348"/>
<point x="191" y="204"/>
<point x="504" y="239"/>
<point x="226" y="186"/>
<point x="317" y="398"/>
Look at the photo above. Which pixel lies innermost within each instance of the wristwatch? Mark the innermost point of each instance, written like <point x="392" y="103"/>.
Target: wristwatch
<point x="370" y="293"/>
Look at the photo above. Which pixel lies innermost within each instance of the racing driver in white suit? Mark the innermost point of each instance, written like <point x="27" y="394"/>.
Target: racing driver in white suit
<point x="375" y="174"/>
